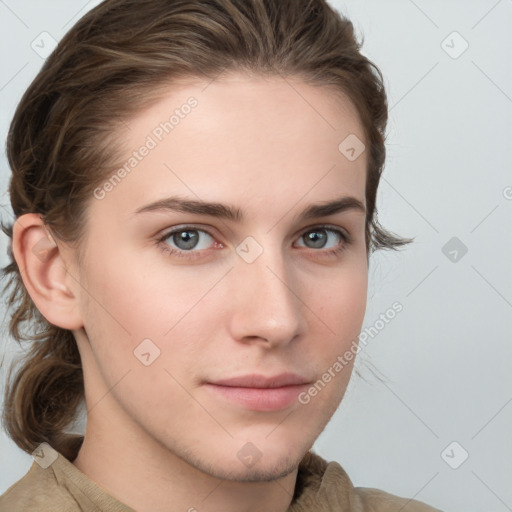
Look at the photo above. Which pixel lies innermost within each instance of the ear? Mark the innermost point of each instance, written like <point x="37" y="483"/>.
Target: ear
<point x="45" y="272"/>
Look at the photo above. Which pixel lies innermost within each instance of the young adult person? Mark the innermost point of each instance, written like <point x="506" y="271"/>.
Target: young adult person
<point x="194" y="186"/>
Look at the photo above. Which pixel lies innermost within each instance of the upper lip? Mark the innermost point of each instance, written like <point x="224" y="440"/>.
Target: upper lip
<point x="261" y="381"/>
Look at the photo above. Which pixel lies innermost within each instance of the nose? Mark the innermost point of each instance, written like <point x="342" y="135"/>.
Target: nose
<point x="267" y="307"/>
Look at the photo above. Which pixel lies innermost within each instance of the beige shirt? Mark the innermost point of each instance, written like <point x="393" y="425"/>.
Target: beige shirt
<point x="320" y="487"/>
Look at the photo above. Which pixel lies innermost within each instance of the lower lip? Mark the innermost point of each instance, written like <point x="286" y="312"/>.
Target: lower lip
<point x="259" y="399"/>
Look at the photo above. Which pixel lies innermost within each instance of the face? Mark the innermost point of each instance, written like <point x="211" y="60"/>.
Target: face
<point x="216" y="328"/>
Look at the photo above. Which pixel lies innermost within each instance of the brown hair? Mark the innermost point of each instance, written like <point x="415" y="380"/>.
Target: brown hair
<point x="110" y="65"/>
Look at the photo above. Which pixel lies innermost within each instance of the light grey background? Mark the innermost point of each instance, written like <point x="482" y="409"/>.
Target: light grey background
<point x="446" y="357"/>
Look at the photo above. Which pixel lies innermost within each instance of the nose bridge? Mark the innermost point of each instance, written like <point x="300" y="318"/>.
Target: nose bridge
<point x="267" y="303"/>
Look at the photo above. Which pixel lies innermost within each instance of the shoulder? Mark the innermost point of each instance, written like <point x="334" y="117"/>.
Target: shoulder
<point x="55" y="483"/>
<point x="370" y="499"/>
<point x="38" y="491"/>
<point x="323" y="486"/>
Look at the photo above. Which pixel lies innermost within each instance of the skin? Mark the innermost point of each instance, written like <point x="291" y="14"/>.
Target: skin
<point x="156" y="438"/>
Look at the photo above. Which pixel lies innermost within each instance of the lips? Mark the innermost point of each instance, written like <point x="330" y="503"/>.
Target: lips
<point x="259" y="392"/>
<point x="260" y="381"/>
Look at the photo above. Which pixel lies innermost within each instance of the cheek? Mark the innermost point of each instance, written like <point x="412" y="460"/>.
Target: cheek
<point x="128" y="302"/>
<point x="340" y="307"/>
<point x="124" y="309"/>
<point x="341" y="302"/>
<point x="136" y="298"/>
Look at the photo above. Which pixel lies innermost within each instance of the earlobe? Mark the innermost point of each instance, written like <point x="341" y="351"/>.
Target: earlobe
<point x="45" y="272"/>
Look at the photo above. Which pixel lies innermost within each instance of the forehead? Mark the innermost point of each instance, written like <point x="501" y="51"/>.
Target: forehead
<point x="243" y="139"/>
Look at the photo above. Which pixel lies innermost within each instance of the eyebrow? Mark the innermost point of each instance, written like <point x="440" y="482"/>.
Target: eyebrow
<point x="223" y="211"/>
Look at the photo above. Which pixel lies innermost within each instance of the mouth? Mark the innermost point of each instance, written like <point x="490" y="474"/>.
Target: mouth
<point x="258" y="392"/>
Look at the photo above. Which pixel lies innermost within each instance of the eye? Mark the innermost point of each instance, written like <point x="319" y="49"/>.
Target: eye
<point x="186" y="241"/>
<point x="318" y="238"/>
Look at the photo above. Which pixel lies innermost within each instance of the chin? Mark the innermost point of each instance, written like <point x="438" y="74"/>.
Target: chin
<point x="245" y="461"/>
<point x="262" y="474"/>
<point x="266" y="469"/>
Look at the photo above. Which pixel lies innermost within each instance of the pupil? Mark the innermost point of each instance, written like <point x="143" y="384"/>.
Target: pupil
<point x="317" y="237"/>
<point x="189" y="238"/>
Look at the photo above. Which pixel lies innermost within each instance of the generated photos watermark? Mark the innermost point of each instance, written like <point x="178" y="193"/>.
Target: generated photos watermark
<point x="156" y="136"/>
<point x="344" y="359"/>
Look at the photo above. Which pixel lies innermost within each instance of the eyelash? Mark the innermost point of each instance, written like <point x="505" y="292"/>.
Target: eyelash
<point x="193" y="254"/>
